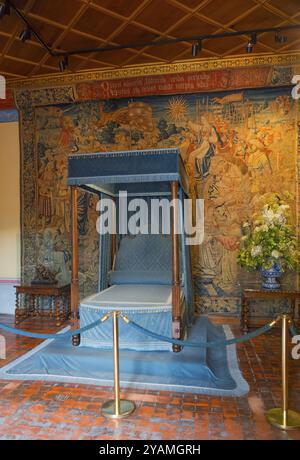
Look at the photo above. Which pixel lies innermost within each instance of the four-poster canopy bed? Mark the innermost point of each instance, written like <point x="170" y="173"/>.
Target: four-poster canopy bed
<point x="150" y="275"/>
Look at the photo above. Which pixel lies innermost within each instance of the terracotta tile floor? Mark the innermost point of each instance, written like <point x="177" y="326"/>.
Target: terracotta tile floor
<point x="37" y="410"/>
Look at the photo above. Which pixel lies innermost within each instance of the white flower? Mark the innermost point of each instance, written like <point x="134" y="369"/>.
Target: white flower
<point x="276" y="254"/>
<point x="284" y="206"/>
<point x="280" y="218"/>
<point x="256" y="251"/>
<point x="261" y="228"/>
<point x="269" y="215"/>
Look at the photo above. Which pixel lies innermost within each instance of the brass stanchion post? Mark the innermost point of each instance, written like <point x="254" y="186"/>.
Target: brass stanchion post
<point x="283" y="417"/>
<point x="117" y="408"/>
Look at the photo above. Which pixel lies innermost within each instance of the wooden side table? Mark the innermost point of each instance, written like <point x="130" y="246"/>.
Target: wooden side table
<point x="251" y="294"/>
<point x="59" y="302"/>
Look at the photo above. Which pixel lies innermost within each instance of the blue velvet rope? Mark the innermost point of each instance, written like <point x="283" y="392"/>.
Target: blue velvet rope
<point x="213" y="343"/>
<point x="144" y="331"/>
<point x="36" y="335"/>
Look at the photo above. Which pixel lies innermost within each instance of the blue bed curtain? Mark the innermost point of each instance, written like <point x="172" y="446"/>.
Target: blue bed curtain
<point x="105" y="261"/>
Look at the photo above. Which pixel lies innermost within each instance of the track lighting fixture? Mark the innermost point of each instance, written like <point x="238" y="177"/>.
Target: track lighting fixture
<point x="25" y="35"/>
<point x="63" y="63"/>
<point x="253" y="39"/>
<point x="279" y="38"/>
<point x="251" y="43"/>
<point x="249" y="47"/>
<point x="4" y="9"/>
<point x="8" y="6"/>
<point x="196" y="47"/>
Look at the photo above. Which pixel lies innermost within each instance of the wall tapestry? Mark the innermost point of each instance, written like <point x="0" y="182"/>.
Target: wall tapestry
<point x="237" y="146"/>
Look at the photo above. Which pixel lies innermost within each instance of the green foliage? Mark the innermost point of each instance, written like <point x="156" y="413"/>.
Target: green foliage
<point x="270" y="237"/>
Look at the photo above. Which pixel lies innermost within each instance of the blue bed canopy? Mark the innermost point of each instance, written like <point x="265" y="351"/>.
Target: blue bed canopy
<point x="147" y="276"/>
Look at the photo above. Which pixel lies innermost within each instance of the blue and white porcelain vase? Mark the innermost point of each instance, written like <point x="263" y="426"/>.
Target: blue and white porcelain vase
<point x="270" y="276"/>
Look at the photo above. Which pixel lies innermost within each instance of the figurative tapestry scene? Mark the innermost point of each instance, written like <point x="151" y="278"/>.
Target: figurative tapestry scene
<point x="237" y="147"/>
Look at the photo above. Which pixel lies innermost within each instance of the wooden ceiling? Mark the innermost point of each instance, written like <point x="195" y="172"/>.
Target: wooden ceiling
<point x="70" y="24"/>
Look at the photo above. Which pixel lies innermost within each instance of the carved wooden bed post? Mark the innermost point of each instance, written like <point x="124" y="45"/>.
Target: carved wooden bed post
<point x="176" y="314"/>
<point x="114" y="240"/>
<point x="75" y="277"/>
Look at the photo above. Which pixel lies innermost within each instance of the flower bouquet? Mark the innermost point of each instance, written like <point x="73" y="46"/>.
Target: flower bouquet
<point x="269" y="244"/>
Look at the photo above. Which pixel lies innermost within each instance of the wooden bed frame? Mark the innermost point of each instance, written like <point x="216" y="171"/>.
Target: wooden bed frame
<point x="176" y="288"/>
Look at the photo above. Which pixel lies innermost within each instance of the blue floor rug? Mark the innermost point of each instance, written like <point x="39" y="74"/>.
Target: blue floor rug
<point x="212" y="371"/>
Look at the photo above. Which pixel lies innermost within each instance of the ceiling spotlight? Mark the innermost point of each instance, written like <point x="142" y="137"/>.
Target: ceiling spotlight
<point x="196" y="47"/>
<point x="4" y="9"/>
<point x="280" y="38"/>
<point x="249" y="47"/>
<point x="63" y="63"/>
<point x="251" y="43"/>
<point x="25" y="35"/>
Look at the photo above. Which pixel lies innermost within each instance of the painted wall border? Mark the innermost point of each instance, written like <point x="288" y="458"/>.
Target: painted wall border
<point x="156" y="69"/>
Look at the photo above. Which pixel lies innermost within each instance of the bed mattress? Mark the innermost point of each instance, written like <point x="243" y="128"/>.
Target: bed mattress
<point x="148" y="305"/>
<point x="131" y="297"/>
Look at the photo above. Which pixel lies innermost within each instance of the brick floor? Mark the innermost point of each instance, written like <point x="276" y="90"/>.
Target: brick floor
<point x="43" y="410"/>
